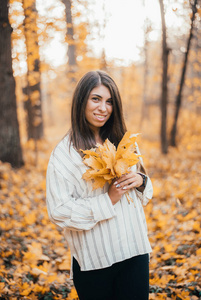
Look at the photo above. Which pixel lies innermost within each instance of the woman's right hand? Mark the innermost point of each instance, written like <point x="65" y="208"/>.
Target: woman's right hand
<point x="123" y="184"/>
<point x="115" y="192"/>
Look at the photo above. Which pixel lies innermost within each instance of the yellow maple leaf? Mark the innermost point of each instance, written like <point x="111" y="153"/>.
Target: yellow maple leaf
<point x="121" y="167"/>
<point x="128" y="140"/>
<point x="94" y="162"/>
<point x="90" y="152"/>
<point x="107" y="152"/>
<point x="98" y="182"/>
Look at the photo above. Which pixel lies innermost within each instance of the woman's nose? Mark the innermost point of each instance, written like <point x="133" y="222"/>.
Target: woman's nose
<point x="102" y="106"/>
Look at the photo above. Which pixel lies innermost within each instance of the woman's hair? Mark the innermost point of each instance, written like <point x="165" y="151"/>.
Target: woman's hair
<point x="81" y="135"/>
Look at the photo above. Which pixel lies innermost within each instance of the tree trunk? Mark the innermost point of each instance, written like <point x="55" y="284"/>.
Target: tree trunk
<point x="182" y="80"/>
<point x="32" y="91"/>
<point x="103" y="62"/>
<point x="145" y="107"/>
<point x="165" y="52"/>
<point x="10" y="148"/>
<point x="70" y="39"/>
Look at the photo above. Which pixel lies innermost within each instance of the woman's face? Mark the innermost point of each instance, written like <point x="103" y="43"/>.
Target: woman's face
<point x="99" y="107"/>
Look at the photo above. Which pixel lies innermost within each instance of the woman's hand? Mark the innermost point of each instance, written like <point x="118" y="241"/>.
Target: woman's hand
<point x="120" y="186"/>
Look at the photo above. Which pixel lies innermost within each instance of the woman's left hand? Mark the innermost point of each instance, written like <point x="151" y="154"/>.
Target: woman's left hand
<point x="129" y="181"/>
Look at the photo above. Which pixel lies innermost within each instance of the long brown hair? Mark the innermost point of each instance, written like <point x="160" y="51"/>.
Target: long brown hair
<point x="81" y="135"/>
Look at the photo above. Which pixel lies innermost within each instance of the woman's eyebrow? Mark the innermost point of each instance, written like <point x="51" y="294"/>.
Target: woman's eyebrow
<point x="97" y="95"/>
<point x="101" y="96"/>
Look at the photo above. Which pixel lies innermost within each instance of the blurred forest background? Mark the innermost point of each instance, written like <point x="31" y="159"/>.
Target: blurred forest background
<point x="45" y="47"/>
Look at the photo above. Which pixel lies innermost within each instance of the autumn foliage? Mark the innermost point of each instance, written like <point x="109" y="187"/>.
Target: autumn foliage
<point x="34" y="257"/>
<point x="35" y="260"/>
<point x="107" y="163"/>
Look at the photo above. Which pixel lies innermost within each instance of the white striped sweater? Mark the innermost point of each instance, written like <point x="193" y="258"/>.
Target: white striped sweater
<point x="98" y="233"/>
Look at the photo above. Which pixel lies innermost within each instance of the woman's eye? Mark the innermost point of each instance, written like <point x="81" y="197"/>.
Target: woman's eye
<point x="95" y="99"/>
<point x="110" y="102"/>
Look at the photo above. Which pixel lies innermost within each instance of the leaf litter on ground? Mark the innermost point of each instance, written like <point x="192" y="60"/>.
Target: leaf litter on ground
<point x="35" y="259"/>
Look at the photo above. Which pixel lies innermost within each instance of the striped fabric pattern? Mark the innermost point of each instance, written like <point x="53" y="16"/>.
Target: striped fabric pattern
<point x="98" y="233"/>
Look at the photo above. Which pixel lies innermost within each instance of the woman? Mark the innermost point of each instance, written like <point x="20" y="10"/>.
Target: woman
<point x="107" y="236"/>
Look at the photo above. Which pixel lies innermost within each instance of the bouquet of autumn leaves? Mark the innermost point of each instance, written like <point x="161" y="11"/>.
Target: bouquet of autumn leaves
<point x="106" y="162"/>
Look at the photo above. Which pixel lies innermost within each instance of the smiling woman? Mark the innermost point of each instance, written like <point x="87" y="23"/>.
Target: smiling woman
<point x="107" y="236"/>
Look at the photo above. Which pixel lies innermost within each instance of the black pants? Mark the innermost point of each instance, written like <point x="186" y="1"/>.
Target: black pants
<point x="126" y="280"/>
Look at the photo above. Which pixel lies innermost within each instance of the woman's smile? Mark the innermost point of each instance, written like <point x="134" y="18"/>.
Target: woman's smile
<point x="100" y="117"/>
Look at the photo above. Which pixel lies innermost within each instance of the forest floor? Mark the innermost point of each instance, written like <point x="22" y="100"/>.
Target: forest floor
<point x="34" y="258"/>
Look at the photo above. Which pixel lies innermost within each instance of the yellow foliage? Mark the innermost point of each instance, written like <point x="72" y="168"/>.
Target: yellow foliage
<point x="30" y="218"/>
<point x="66" y="262"/>
<point x="73" y="295"/>
<point x="33" y="252"/>
<point x="2" y="286"/>
<point x="25" y="289"/>
<point x="107" y="163"/>
<point x="198" y="252"/>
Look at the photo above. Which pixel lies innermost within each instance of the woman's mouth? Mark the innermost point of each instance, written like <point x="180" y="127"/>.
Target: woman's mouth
<point x="100" y="117"/>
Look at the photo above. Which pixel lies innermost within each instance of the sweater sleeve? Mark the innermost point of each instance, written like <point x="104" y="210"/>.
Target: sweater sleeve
<point x="147" y="194"/>
<point x="73" y="213"/>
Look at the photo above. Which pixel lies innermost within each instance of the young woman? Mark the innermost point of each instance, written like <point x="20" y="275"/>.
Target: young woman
<point x="106" y="235"/>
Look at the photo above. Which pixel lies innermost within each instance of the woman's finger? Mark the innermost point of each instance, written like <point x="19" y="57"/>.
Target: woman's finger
<point x="130" y="186"/>
<point x="120" y="180"/>
<point x="128" y="179"/>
